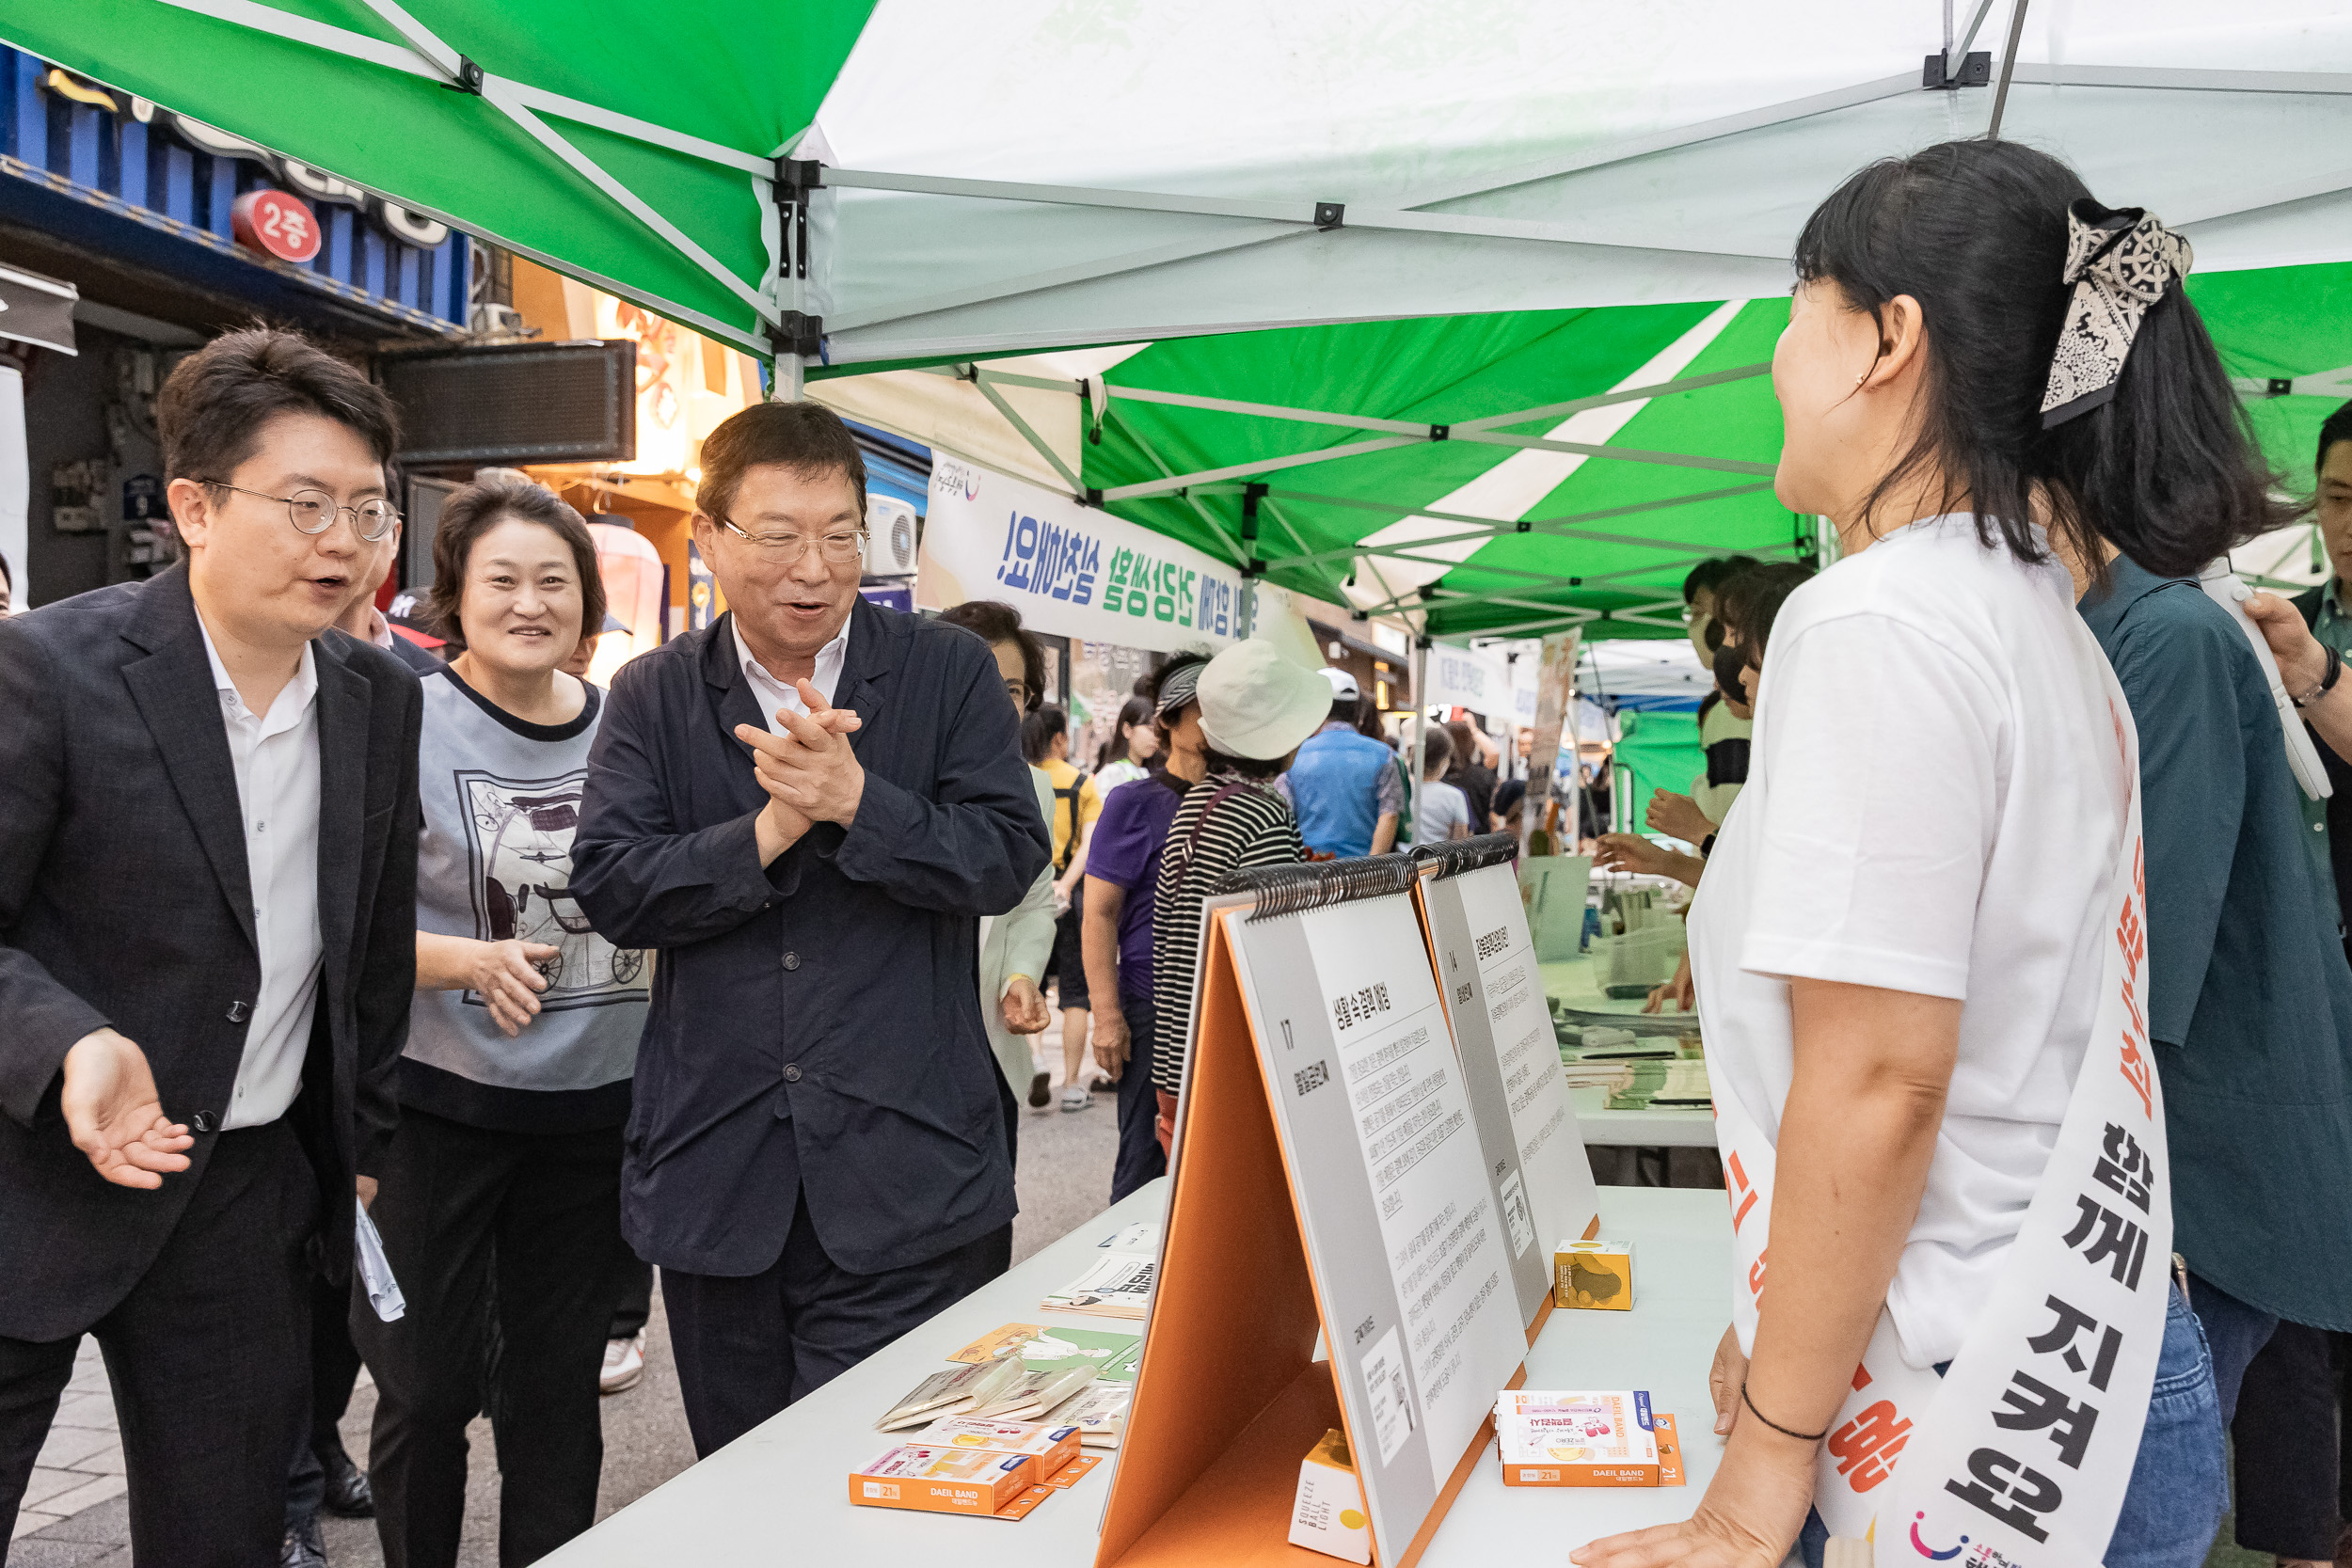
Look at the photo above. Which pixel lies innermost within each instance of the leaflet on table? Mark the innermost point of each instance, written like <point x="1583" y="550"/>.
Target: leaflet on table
<point x="1118" y="1286"/>
<point x="952" y="1392"/>
<point x="1518" y="1090"/>
<point x="1033" y="1393"/>
<point x="1411" y="1255"/>
<point x="1099" y="1413"/>
<point x="1142" y="1236"/>
<point x="1111" y="1356"/>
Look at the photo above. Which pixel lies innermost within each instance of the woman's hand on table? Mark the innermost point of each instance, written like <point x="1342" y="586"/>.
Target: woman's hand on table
<point x="1679" y="991"/>
<point x="1723" y="1380"/>
<point x="1754" y="1508"/>
<point x="1749" y="1518"/>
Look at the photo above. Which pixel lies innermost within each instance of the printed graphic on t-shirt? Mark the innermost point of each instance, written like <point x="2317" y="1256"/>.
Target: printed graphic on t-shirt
<point x="521" y="854"/>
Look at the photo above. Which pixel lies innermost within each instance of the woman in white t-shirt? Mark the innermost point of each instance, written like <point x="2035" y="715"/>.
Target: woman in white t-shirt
<point x="1899" y="946"/>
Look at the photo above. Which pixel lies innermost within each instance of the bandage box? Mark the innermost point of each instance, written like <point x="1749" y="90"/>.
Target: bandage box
<point x="1587" y="1439"/>
<point x="1329" y="1515"/>
<point x="1051" y="1447"/>
<point x="1596" y="1274"/>
<point x="938" y="1479"/>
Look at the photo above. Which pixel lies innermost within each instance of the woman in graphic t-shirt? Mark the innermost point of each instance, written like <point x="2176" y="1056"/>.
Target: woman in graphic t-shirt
<point x="500" y="1204"/>
<point x="1901" y="940"/>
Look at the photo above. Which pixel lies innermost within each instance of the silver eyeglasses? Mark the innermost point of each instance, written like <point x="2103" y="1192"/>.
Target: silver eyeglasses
<point x="314" y="511"/>
<point x="783" y="549"/>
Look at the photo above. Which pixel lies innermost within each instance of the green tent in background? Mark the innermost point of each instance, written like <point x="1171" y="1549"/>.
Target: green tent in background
<point x="1400" y="507"/>
<point x="1656" y="749"/>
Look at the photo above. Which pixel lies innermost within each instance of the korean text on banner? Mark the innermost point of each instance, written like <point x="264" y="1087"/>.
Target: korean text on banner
<point x="1071" y="570"/>
<point x="1460" y="678"/>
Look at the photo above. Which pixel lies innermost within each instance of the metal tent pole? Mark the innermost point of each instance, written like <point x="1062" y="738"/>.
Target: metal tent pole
<point x="1421" y="725"/>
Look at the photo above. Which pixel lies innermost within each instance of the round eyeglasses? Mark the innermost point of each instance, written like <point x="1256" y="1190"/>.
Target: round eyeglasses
<point x="314" y="511"/>
<point x="783" y="549"/>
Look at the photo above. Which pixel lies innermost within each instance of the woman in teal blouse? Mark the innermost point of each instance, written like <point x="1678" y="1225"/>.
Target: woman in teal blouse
<point x="2249" y="995"/>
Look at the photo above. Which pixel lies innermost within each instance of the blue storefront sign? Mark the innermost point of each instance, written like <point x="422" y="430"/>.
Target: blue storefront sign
<point x="120" y="178"/>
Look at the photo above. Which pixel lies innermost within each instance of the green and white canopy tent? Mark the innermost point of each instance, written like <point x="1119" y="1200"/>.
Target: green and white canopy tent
<point x="1479" y="293"/>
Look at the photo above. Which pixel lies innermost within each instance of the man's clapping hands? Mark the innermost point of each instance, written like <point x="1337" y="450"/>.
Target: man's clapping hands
<point x="810" y="773"/>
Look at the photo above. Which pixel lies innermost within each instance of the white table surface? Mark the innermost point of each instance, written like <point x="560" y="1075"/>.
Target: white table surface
<point x="781" y="1492"/>
<point x="1572" y="982"/>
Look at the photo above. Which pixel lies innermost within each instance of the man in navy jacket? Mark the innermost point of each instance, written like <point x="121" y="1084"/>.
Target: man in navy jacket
<point x="805" y="808"/>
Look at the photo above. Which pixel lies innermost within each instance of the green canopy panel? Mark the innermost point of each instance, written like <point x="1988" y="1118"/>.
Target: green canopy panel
<point x="1450" y="295"/>
<point x="1657" y="749"/>
<point x="1358" y="461"/>
<point x="1602" y="535"/>
<point x="605" y="139"/>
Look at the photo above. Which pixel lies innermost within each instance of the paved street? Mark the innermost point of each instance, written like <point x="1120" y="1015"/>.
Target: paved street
<point x="74" y="1512"/>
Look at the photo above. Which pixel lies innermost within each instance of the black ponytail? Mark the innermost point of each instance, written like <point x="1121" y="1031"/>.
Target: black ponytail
<point x="2168" y="470"/>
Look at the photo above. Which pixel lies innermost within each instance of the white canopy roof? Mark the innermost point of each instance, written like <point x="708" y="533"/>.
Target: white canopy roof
<point x="1032" y="174"/>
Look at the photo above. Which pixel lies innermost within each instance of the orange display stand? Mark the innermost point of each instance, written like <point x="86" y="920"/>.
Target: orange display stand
<point x="1230" y="1396"/>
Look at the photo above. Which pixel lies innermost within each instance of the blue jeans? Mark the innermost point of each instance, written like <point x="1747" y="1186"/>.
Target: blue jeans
<point x="2237" y="1333"/>
<point x="2178" y="1493"/>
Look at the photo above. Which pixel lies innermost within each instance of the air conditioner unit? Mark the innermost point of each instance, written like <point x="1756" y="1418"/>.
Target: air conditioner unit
<point x="889" y="537"/>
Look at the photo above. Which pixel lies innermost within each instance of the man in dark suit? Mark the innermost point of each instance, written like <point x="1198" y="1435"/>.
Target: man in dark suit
<point x="806" y="807"/>
<point x="208" y="839"/>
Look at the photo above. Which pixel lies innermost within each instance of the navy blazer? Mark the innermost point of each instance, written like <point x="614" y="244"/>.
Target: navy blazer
<point x="125" y="901"/>
<point x="816" y="1027"/>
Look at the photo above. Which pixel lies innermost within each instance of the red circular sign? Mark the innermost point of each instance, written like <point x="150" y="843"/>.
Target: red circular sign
<point x="275" y="224"/>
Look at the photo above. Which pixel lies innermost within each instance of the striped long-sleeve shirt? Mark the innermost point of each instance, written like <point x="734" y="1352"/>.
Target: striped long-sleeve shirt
<point x="1226" y="823"/>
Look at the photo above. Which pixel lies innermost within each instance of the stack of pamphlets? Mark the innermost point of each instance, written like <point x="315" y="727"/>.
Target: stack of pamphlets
<point x="959" y="1390"/>
<point x="1118" y="1286"/>
<point x="1674" y="1085"/>
<point x="1033" y="1393"/>
<point x="1099" y="1413"/>
<point x="1586" y="1439"/>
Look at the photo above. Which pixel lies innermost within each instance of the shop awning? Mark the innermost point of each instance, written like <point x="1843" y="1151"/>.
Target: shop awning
<point x="1518" y="225"/>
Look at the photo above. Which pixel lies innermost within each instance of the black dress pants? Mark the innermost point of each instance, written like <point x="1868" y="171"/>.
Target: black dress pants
<point x="209" y="1355"/>
<point x="334" y="1372"/>
<point x="747" y="1347"/>
<point x="505" y="1245"/>
<point x="1140" y="1158"/>
<point x="2289" y="1475"/>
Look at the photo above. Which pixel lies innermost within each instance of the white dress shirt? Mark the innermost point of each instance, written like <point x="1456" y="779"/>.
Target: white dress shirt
<point x="773" y="693"/>
<point x="276" y="758"/>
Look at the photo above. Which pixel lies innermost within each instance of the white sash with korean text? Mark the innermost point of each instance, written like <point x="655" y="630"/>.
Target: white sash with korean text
<point x="2025" y="1448"/>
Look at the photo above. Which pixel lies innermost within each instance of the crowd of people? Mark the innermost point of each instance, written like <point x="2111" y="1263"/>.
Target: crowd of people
<point x="312" y="939"/>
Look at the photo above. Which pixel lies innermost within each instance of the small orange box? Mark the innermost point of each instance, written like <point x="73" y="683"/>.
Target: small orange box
<point x="1051" y="1445"/>
<point x="943" y="1479"/>
<point x="1611" y="1439"/>
<point x="1594" y="1274"/>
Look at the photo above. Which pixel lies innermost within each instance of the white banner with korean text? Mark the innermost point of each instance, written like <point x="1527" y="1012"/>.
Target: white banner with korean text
<point x="1463" y="677"/>
<point x="1074" y="571"/>
<point x="2023" y="1451"/>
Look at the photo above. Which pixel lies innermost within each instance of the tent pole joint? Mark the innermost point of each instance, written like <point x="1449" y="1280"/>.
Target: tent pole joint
<point x="469" y="77"/>
<point x="798" y="333"/>
<point x="1973" y="70"/>
<point x="1440" y="432"/>
<point x="1330" y="215"/>
<point x="1094" y="496"/>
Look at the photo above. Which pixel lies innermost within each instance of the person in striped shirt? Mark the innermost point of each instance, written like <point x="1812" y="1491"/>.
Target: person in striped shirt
<point x="1256" y="709"/>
